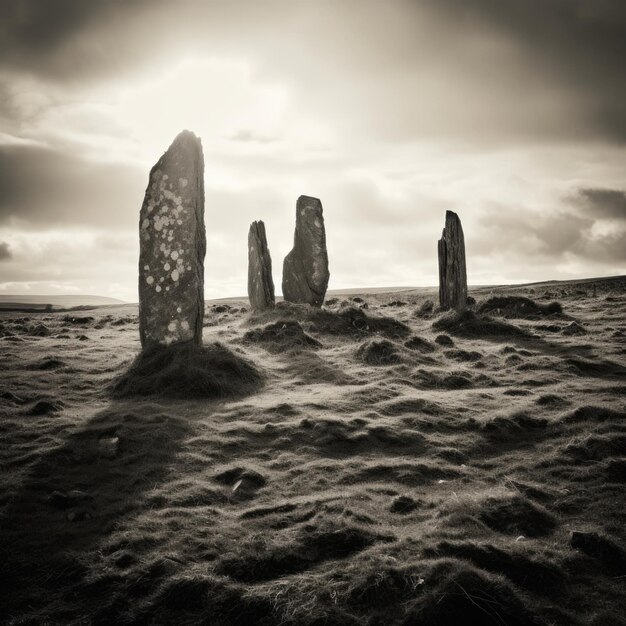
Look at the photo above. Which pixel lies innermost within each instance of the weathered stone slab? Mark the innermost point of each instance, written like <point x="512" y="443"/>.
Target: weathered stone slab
<point x="305" y="269"/>
<point x="172" y="247"/>
<point x="260" y="282"/>
<point x="452" y="271"/>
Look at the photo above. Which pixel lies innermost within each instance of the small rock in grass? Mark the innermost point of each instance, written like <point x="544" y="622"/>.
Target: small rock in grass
<point x="574" y="329"/>
<point x="109" y="447"/>
<point x="403" y="505"/>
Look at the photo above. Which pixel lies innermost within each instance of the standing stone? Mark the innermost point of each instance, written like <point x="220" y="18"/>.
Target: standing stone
<point x="172" y="247"/>
<point x="260" y="283"/>
<point x="305" y="269"/>
<point x="452" y="272"/>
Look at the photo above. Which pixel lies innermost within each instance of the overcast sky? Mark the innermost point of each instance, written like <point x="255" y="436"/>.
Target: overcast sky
<point x="510" y="112"/>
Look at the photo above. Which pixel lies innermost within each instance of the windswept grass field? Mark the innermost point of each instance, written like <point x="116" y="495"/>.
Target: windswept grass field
<point x="381" y="463"/>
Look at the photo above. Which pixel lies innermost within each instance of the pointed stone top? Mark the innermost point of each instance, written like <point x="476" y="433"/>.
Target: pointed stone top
<point x="309" y="199"/>
<point x="185" y="152"/>
<point x="186" y="140"/>
<point x="453" y="223"/>
<point x="187" y="135"/>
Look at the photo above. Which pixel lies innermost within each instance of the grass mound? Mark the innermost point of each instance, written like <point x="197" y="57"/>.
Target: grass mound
<point x="311" y="548"/>
<point x="420" y="345"/>
<point x="48" y="363"/>
<point x="592" y="415"/>
<point x="188" y="599"/>
<point x="378" y="352"/>
<point x="389" y="586"/>
<point x="519" y="307"/>
<point x="524" y="571"/>
<point x="188" y="371"/>
<point x="78" y="320"/>
<point x="426" y="309"/>
<point x="516" y="515"/>
<point x="467" y="324"/>
<point x="464" y="355"/>
<point x="427" y="379"/>
<point x="46" y="406"/>
<point x="461" y="594"/>
<point x="595" y="369"/>
<point x="516" y="426"/>
<point x="600" y="547"/>
<point x="595" y="447"/>
<point x="282" y="335"/>
<point x="353" y="321"/>
<point x="348" y="321"/>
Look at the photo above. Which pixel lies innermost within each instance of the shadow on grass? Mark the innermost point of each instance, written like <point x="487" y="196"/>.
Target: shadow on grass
<point x="76" y="495"/>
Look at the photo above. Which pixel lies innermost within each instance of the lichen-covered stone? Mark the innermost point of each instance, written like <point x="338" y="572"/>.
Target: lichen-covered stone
<point x="260" y="282"/>
<point x="172" y="247"/>
<point x="305" y="269"/>
<point x="452" y="271"/>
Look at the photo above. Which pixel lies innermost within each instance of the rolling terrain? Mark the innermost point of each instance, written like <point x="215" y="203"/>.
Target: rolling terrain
<point x="392" y="465"/>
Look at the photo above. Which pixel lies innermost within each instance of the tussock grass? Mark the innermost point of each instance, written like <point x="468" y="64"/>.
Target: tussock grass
<point x="282" y="335"/>
<point x="257" y="563"/>
<point x="517" y="426"/>
<point x="188" y="371"/>
<point x="348" y="321"/>
<point x="462" y="594"/>
<point x="468" y="324"/>
<point x="379" y="352"/>
<point x="519" y="307"/>
<point x="425" y="310"/>
<point x="440" y="490"/>
<point x="541" y="576"/>
<point x="420" y="345"/>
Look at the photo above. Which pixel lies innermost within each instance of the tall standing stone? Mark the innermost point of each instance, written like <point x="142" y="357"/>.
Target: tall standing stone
<point x="260" y="283"/>
<point x="452" y="272"/>
<point x="305" y="269"/>
<point x="172" y="247"/>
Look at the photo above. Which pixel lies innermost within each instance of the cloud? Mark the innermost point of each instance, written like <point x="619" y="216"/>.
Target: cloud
<point x="45" y="188"/>
<point x="533" y="238"/>
<point x="5" y="251"/>
<point x="574" y="43"/>
<point x="510" y="113"/>
<point x="60" y="37"/>
<point x="246" y="135"/>
<point x="402" y="70"/>
<point x="606" y="203"/>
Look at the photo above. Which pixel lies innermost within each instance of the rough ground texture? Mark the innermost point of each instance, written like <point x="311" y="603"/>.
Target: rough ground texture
<point x="452" y="272"/>
<point x="260" y="282"/>
<point x="172" y="247"/>
<point x="305" y="269"/>
<point x="440" y="487"/>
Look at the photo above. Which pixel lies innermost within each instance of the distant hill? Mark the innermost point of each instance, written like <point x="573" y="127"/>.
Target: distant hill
<point x="36" y="302"/>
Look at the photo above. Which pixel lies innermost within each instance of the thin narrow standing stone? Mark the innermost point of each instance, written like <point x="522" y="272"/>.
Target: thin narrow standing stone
<point x="260" y="283"/>
<point x="452" y="272"/>
<point x="305" y="269"/>
<point x="172" y="247"/>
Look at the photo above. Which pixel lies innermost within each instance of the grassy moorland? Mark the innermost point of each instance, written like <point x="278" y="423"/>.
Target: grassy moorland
<point x="376" y="462"/>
